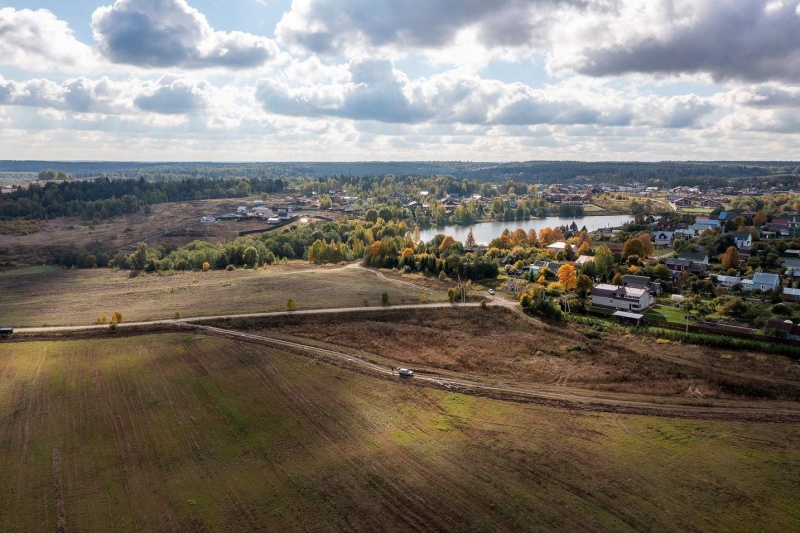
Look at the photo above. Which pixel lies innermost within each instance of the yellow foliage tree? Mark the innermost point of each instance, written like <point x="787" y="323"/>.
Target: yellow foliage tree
<point x="567" y="277"/>
<point x="206" y="266"/>
<point x="447" y="243"/>
<point x="730" y="259"/>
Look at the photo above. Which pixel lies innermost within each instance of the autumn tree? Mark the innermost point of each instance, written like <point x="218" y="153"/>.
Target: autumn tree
<point x="647" y="243"/>
<point x="730" y="259"/>
<point x="206" y="266"/>
<point x="116" y="318"/>
<point x="617" y="279"/>
<point x="760" y="218"/>
<point x="470" y="241"/>
<point x="567" y="278"/>
<point x="418" y="237"/>
<point x="446" y="244"/>
<point x="533" y="240"/>
<point x="519" y="237"/>
<point x="546" y="236"/>
<point x="633" y="246"/>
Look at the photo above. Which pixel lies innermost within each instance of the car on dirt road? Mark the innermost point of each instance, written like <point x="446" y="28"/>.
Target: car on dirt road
<point x="404" y="372"/>
<point x="491" y="291"/>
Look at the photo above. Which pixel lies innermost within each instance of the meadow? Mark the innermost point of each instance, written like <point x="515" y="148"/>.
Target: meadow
<point x="177" y="432"/>
<point x="50" y="296"/>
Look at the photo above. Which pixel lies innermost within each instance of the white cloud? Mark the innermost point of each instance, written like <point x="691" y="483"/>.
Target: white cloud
<point x="38" y="40"/>
<point x="170" y="33"/>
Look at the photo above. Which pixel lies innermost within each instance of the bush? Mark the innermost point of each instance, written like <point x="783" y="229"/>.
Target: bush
<point x="385" y="298"/>
<point x="230" y="268"/>
<point x="545" y="308"/>
<point x="116" y="318"/>
<point x="290" y="304"/>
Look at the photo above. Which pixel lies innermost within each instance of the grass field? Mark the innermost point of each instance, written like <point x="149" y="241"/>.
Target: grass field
<point x="497" y="343"/>
<point x="190" y="433"/>
<point x="672" y="314"/>
<point x="38" y="296"/>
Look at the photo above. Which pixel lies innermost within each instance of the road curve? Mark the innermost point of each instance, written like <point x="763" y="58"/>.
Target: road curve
<point x="533" y="393"/>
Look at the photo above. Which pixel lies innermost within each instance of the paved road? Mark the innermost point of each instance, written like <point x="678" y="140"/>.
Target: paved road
<point x="497" y="302"/>
<point x="577" y="398"/>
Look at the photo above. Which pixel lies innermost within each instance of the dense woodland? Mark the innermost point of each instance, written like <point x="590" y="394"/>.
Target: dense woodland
<point x="105" y="198"/>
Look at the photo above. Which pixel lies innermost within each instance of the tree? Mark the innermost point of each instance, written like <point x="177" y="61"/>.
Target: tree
<point x="206" y="266"/>
<point x="116" y="318"/>
<point x="446" y="244"/>
<point x="139" y="259"/>
<point x="566" y="275"/>
<point x="633" y="246"/>
<point x="760" y="218"/>
<point x="470" y="241"/>
<point x="417" y="237"/>
<point x="583" y="285"/>
<point x="385" y="298"/>
<point x="617" y="280"/>
<point x="371" y="216"/>
<point x="251" y="256"/>
<point x="647" y="243"/>
<point x="325" y="202"/>
<point x="730" y="259"/>
<point x="546" y="236"/>
<point x="603" y="262"/>
<point x="533" y="240"/>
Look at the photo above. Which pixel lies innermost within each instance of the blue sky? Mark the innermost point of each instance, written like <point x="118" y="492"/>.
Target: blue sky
<point x="282" y="80"/>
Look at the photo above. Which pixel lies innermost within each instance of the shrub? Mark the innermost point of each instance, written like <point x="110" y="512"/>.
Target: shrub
<point x="385" y="298"/>
<point x="230" y="268"/>
<point x="116" y="318"/>
<point x="423" y="299"/>
<point x="483" y="304"/>
<point x="290" y="304"/>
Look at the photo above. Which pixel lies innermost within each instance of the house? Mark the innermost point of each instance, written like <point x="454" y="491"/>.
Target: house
<point x="621" y="298"/>
<point x="682" y="202"/>
<point x="263" y="212"/>
<point x="743" y="239"/>
<point x="583" y="260"/>
<point x="229" y="216"/>
<point x="241" y="209"/>
<point x="642" y="282"/>
<point x="762" y="281"/>
<point x="207" y="220"/>
<point x="695" y="257"/>
<point x="676" y="266"/>
<point x="551" y="266"/>
<point x="725" y="216"/>
<point x="791" y="295"/>
<point x="728" y="281"/>
<point x="561" y="246"/>
<point x="792" y="267"/>
<point x="664" y="238"/>
<point x="273" y="220"/>
<point x="283" y="214"/>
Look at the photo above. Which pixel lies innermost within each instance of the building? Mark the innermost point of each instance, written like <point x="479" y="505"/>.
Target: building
<point x="642" y="282"/>
<point x="664" y="238"/>
<point x="583" y="260"/>
<point x="792" y="267"/>
<point x="561" y="246"/>
<point x="621" y="298"/>
<point x="791" y="295"/>
<point x="207" y="220"/>
<point x="695" y="257"/>
<point x="676" y="266"/>
<point x="761" y="281"/>
<point x="728" y="281"/>
<point x="551" y="266"/>
<point x="743" y="239"/>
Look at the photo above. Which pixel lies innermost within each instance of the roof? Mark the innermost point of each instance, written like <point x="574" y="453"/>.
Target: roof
<point x="742" y="235"/>
<point x="636" y="281"/>
<point x="794" y="263"/>
<point x="693" y="256"/>
<point x="678" y="262"/>
<point x="791" y="292"/>
<point x="729" y="279"/>
<point x="625" y="314"/>
<point x="763" y="277"/>
<point x="584" y="259"/>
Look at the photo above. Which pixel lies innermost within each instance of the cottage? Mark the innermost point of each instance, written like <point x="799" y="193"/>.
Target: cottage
<point x="551" y="266"/>
<point x="676" y="266"/>
<point x="791" y="295"/>
<point x="664" y="238"/>
<point x="762" y="281"/>
<point x="621" y="298"/>
<point x="694" y="257"/>
<point x="743" y="239"/>
<point x="583" y="260"/>
<point x="561" y="246"/>
<point x="642" y="282"/>
<point x="263" y="212"/>
<point x="728" y="281"/>
<point x="792" y="267"/>
<point x="785" y="328"/>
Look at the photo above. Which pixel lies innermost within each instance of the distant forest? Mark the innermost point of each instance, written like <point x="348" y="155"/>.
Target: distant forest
<point x="105" y="198"/>
<point x="671" y="173"/>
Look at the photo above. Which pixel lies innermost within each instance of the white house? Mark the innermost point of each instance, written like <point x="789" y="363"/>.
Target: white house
<point x="560" y="246"/>
<point x="728" y="281"/>
<point x="621" y="298"/>
<point x="743" y="239"/>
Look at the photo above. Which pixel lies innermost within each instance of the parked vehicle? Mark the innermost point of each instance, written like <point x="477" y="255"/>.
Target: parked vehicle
<point x="404" y="372"/>
<point x="491" y="291"/>
<point x="6" y="332"/>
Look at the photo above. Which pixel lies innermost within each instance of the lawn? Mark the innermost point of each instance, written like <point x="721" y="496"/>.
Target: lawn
<point x="40" y="296"/>
<point x="673" y="315"/>
<point x="191" y="433"/>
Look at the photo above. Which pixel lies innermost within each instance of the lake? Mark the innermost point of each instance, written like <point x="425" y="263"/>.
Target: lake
<point x="486" y="231"/>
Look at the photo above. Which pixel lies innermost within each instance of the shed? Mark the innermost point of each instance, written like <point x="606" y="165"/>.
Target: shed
<point x="627" y="317"/>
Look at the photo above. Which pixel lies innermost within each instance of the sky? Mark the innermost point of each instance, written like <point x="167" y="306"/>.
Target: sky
<point x="356" y="80"/>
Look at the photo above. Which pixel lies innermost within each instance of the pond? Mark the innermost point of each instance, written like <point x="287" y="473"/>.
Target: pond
<point x="484" y="232"/>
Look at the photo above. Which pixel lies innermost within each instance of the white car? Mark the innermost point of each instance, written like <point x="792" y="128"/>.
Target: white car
<point x="405" y="372"/>
<point x="491" y="291"/>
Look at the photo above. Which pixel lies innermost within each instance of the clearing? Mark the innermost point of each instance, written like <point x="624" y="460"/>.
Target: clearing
<point x="180" y="432"/>
<point x="51" y="296"/>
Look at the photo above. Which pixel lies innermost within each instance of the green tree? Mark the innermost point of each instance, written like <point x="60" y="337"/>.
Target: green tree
<point x="251" y="256"/>
<point x="633" y="246"/>
<point x="385" y="298"/>
<point x="583" y="285"/>
<point x="603" y="262"/>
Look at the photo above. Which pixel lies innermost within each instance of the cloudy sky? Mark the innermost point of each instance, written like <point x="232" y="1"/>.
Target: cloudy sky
<point x="345" y="80"/>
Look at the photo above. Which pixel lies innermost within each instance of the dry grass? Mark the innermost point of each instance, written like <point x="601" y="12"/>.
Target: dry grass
<point x="497" y="343"/>
<point x="42" y="296"/>
<point x="182" y="433"/>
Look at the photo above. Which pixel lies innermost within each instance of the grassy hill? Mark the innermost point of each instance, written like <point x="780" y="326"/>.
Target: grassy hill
<point x="192" y="433"/>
